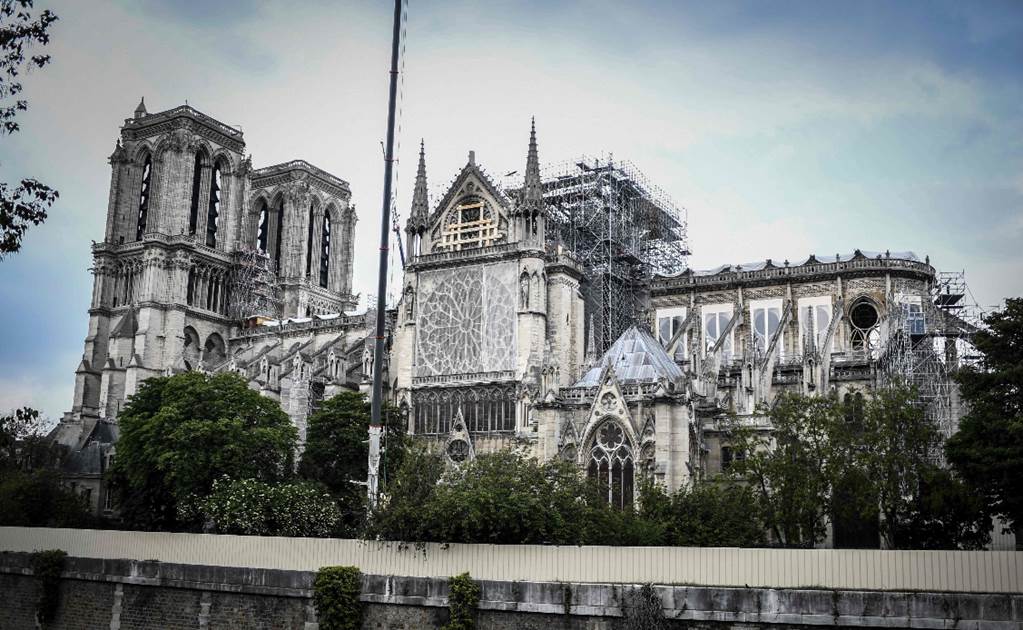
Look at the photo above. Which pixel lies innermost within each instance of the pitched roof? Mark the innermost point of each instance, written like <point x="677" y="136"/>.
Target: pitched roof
<point x="636" y="358"/>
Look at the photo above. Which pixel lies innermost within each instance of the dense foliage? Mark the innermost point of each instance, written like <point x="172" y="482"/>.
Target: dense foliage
<point x="868" y="459"/>
<point x="336" y="595"/>
<point x="47" y="567"/>
<point x="255" y="508"/>
<point x="26" y="203"/>
<point x="988" y="448"/>
<point x="336" y="452"/>
<point x="463" y="602"/>
<point x="37" y="499"/>
<point x="792" y="469"/>
<point x="181" y="433"/>
<point x="710" y="514"/>
<point x="31" y="493"/>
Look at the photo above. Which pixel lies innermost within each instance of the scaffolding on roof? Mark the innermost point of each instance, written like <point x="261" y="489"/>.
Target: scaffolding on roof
<point x="621" y="228"/>
<point x="923" y="347"/>
<point x="255" y="291"/>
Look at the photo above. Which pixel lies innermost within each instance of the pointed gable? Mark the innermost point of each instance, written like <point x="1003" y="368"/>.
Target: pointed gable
<point x="473" y="211"/>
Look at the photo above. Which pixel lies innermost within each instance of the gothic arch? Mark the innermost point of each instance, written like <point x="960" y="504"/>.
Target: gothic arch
<point x="190" y="352"/>
<point x="140" y="151"/>
<point x="227" y="158"/>
<point x="610" y="459"/>
<point x="216" y="200"/>
<point x="214" y="350"/>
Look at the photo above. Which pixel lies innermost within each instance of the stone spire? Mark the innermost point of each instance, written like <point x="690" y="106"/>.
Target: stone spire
<point x="140" y="111"/>
<point x="532" y="193"/>
<point x="420" y="203"/>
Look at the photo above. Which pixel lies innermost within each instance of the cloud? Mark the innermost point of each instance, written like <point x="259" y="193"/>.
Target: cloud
<point x="784" y="129"/>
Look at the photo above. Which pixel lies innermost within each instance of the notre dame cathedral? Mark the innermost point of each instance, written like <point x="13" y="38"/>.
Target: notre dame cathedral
<point x="554" y="313"/>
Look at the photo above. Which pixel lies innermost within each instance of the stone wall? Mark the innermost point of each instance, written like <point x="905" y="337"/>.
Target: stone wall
<point x="132" y="595"/>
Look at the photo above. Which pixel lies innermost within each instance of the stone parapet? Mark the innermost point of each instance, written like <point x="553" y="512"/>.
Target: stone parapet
<point x="395" y="600"/>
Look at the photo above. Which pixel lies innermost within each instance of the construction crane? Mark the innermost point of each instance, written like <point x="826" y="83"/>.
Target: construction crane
<point x="397" y="236"/>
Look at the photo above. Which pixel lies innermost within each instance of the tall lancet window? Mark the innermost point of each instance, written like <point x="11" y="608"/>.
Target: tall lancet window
<point x="147" y="173"/>
<point x="278" y="236"/>
<point x="325" y="251"/>
<point x="263" y="229"/>
<point x="309" y="245"/>
<point x="193" y="213"/>
<point x="213" y="213"/>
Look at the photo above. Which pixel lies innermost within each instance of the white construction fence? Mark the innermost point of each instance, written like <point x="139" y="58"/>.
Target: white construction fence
<point x="959" y="571"/>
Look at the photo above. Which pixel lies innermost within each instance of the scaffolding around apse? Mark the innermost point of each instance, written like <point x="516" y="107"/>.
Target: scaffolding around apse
<point x="923" y="347"/>
<point x="621" y="228"/>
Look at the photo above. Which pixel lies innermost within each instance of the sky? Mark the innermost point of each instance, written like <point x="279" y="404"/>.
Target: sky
<point x="783" y="128"/>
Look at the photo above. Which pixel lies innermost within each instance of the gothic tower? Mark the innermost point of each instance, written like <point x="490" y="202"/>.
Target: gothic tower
<point x="187" y="218"/>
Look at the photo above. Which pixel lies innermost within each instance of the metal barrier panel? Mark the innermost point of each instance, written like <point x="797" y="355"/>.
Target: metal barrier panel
<point x="960" y="571"/>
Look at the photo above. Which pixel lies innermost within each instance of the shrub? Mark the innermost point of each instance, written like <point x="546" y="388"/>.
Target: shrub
<point x="253" y="508"/>
<point x="38" y="500"/>
<point x="642" y="610"/>
<point x="336" y="595"/>
<point x="463" y="601"/>
<point x="47" y="566"/>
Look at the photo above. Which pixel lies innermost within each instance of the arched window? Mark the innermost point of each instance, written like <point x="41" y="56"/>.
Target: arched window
<point x="864" y="318"/>
<point x="263" y="227"/>
<point x="213" y="212"/>
<point x="325" y="251"/>
<point x="309" y="243"/>
<point x="611" y="464"/>
<point x="147" y="172"/>
<point x="193" y="213"/>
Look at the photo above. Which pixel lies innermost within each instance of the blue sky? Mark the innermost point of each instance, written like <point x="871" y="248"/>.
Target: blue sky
<point x="784" y="128"/>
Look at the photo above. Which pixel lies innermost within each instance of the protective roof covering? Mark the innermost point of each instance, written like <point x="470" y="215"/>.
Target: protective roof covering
<point x="813" y="258"/>
<point x="637" y="358"/>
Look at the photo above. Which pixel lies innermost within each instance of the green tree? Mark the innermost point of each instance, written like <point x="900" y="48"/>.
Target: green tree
<point x="403" y="511"/>
<point x="792" y="469"/>
<point x="31" y="493"/>
<point x="503" y="498"/>
<point x="24" y="444"/>
<point x="988" y="448"/>
<point x="255" y="508"/>
<point x="181" y="433"/>
<point x="336" y="451"/>
<point x="707" y="514"/>
<point x="946" y="514"/>
<point x="895" y="451"/>
<point x="27" y="203"/>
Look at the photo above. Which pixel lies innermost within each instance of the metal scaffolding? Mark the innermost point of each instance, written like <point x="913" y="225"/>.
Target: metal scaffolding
<point x="924" y="347"/>
<point x="621" y="228"/>
<point x="255" y="293"/>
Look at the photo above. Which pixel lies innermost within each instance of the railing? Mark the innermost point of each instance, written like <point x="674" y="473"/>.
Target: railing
<point x="737" y="275"/>
<point x="957" y="571"/>
<point x="471" y="252"/>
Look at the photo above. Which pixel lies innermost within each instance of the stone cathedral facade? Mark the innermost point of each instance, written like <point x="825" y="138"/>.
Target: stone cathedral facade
<point x="199" y="252"/>
<point x="210" y="264"/>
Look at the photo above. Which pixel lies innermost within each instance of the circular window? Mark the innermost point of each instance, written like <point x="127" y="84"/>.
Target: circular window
<point x="458" y="451"/>
<point x="611" y="436"/>
<point x="864" y="315"/>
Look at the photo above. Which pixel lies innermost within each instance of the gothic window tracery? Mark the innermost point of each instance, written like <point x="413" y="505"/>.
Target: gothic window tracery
<point x="611" y="464"/>
<point x="279" y="233"/>
<point x="485" y="409"/>
<point x="147" y="173"/>
<point x="864" y="318"/>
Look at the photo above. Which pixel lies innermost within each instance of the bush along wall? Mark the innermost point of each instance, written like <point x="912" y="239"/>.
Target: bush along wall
<point x="463" y="602"/>
<point x="336" y="595"/>
<point x="47" y="567"/>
